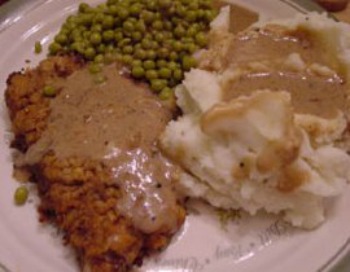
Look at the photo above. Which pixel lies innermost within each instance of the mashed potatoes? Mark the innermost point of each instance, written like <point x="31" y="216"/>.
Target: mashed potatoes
<point x="266" y="146"/>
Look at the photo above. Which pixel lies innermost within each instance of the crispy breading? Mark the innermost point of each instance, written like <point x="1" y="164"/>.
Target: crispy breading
<point x="77" y="194"/>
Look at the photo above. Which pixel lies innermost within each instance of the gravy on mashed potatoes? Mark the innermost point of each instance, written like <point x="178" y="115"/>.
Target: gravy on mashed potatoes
<point x="265" y="116"/>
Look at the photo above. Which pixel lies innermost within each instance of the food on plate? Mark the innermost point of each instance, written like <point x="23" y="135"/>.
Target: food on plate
<point x="155" y="39"/>
<point x="263" y="122"/>
<point x="265" y="118"/>
<point x="92" y="150"/>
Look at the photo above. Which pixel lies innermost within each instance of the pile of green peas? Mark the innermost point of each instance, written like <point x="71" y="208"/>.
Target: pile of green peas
<point x="155" y="39"/>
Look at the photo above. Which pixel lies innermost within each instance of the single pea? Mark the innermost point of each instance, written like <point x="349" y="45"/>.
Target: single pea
<point x="164" y="73"/>
<point x="109" y="48"/>
<point x="96" y="28"/>
<point x="124" y="42"/>
<point x="159" y="37"/>
<point x="149" y="64"/>
<point x="151" y="54"/>
<point x="179" y="31"/>
<point x="188" y="62"/>
<point x="95" y="38"/>
<point x="128" y="49"/>
<point x="54" y="48"/>
<point x="173" y="56"/>
<point x="177" y="46"/>
<point x="172" y="65"/>
<point x="108" y="22"/>
<point x="49" y="91"/>
<point x="201" y="39"/>
<point x="61" y="38"/>
<point x="98" y="58"/>
<point x="83" y="7"/>
<point x="136" y="36"/>
<point x="191" y="15"/>
<point x="138" y="72"/>
<point x="99" y="17"/>
<point x="163" y="52"/>
<point x="140" y="26"/>
<point x="118" y="36"/>
<point x="101" y="48"/>
<point x="146" y="44"/>
<point x="178" y="74"/>
<point x="94" y="68"/>
<point x="151" y="74"/>
<point x="157" y="25"/>
<point x="127" y="59"/>
<point x="166" y="93"/>
<point x="135" y="9"/>
<point x="113" y="10"/>
<point x="140" y="54"/>
<point x="158" y="84"/>
<point x="136" y="62"/>
<point x="38" y="47"/>
<point x="161" y="63"/>
<point x="191" y="48"/>
<point x="21" y="195"/>
<point x="128" y="26"/>
<point x="90" y="53"/>
<point x="147" y="16"/>
<point x="108" y="58"/>
<point x="108" y="35"/>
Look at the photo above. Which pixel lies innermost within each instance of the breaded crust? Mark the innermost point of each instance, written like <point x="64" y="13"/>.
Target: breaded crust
<point x="76" y="193"/>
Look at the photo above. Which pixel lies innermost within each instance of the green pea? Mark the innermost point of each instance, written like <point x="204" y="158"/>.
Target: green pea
<point x="113" y="10"/>
<point x="146" y="44"/>
<point x="127" y="59"/>
<point x="108" y="35"/>
<point x="140" y="54"/>
<point x="83" y="7"/>
<point x="136" y="62"/>
<point x="158" y="84"/>
<point x="161" y="63"/>
<point x="163" y="52"/>
<point x="178" y="75"/>
<point x="159" y="36"/>
<point x="201" y="39"/>
<point x="118" y="36"/>
<point x="94" y="68"/>
<point x="166" y="93"/>
<point x="49" y="91"/>
<point x="96" y="28"/>
<point x="21" y="195"/>
<point x="177" y="46"/>
<point x="101" y="48"/>
<point x="123" y="13"/>
<point x="147" y="16"/>
<point x="98" y="58"/>
<point x="188" y="62"/>
<point x="90" y="53"/>
<point x="128" y="49"/>
<point x="135" y="9"/>
<point x="164" y="73"/>
<point x="108" y="22"/>
<point x="179" y="31"/>
<point x="173" y="56"/>
<point x="128" y="26"/>
<point x="191" y="15"/>
<point x="151" y="54"/>
<point x="38" y="47"/>
<point x="95" y="38"/>
<point x="61" y="39"/>
<point x="151" y="74"/>
<point x="136" y="36"/>
<point x="157" y="25"/>
<point x="149" y="64"/>
<point x="138" y="72"/>
<point x="54" y="48"/>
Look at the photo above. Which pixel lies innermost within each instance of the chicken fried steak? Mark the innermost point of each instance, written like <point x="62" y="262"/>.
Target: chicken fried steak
<point x="92" y="150"/>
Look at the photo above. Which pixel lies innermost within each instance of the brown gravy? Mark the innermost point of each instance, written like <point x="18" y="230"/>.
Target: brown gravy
<point x="311" y="93"/>
<point x="116" y="123"/>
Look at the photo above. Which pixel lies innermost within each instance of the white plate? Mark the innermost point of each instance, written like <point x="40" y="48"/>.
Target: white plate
<point x="262" y="243"/>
